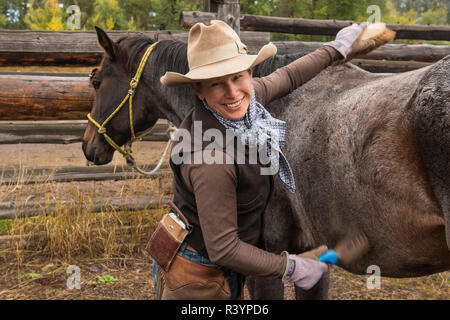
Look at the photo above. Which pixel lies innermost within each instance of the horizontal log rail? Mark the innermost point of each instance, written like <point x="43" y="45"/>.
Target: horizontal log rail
<point x="80" y="48"/>
<point x="19" y="210"/>
<point x="61" y="132"/>
<point x="22" y="240"/>
<point x="315" y="27"/>
<point x="30" y="97"/>
<point x="14" y="176"/>
<point x="389" y="52"/>
<point x="26" y="47"/>
<point x="12" y="209"/>
<point x="20" y="47"/>
<point x="378" y="66"/>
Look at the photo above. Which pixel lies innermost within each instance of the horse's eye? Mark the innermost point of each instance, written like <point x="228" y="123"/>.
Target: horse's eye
<point x="95" y="84"/>
<point x="91" y="75"/>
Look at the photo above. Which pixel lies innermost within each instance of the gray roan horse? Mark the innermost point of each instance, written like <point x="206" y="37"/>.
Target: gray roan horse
<point x="370" y="153"/>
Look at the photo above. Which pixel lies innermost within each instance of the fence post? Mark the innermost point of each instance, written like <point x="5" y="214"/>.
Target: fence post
<point x="229" y="11"/>
<point x="209" y="6"/>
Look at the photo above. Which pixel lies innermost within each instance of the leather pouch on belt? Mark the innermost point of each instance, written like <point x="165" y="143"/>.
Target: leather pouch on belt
<point x="189" y="280"/>
<point x="165" y="241"/>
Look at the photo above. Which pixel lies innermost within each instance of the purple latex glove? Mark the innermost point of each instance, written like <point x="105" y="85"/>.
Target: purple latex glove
<point x="346" y="37"/>
<point x="304" y="272"/>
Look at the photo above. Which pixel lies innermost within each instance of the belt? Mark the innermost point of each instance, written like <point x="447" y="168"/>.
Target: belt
<point x="190" y="248"/>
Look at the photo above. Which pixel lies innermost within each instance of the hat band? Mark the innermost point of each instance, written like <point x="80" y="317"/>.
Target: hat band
<point x="215" y="54"/>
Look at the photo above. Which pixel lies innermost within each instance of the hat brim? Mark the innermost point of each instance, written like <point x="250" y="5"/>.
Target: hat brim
<point x="221" y="68"/>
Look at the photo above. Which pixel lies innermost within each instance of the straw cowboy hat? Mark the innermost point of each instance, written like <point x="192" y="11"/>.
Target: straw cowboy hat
<point x="215" y="50"/>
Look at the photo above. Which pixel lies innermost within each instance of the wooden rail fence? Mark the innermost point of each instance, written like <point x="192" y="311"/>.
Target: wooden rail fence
<point x="314" y="26"/>
<point x="60" y="132"/>
<point x="12" y="209"/>
<point x="13" y="176"/>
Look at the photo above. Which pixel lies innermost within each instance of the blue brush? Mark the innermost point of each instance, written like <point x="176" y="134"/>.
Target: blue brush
<point x="347" y="250"/>
<point x="329" y="257"/>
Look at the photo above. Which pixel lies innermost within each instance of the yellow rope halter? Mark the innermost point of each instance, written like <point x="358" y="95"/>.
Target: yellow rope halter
<point x="133" y="84"/>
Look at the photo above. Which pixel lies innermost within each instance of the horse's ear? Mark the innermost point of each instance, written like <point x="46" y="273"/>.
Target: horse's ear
<point x="106" y="43"/>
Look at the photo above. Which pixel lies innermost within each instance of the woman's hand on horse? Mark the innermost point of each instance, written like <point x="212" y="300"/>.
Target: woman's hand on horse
<point x="305" y="270"/>
<point x="346" y="37"/>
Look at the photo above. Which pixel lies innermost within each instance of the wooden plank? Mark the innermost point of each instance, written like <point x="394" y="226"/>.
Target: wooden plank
<point x="50" y="48"/>
<point x="377" y="66"/>
<point x="68" y="174"/>
<point x="393" y="52"/>
<point x="63" y="132"/>
<point x="189" y="18"/>
<point x="320" y="27"/>
<point x="25" y="97"/>
<point x="26" y="47"/>
<point x="332" y="27"/>
<point x="46" y="171"/>
<point x="13" y="210"/>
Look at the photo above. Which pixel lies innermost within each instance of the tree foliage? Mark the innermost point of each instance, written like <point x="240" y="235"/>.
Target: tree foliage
<point x="44" y="16"/>
<point x="107" y="14"/>
<point x="164" y="14"/>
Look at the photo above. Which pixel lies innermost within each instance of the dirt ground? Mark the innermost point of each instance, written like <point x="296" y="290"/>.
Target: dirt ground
<point x="47" y="280"/>
<point x="129" y="277"/>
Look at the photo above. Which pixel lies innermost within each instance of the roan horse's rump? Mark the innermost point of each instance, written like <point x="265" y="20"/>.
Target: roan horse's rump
<point x="370" y="153"/>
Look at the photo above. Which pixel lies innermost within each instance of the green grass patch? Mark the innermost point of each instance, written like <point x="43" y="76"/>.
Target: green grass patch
<point x="105" y="279"/>
<point x="5" y="226"/>
<point x="31" y="276"/>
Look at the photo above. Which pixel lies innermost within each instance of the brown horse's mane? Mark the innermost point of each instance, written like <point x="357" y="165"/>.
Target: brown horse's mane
<point x="171" y="55"/>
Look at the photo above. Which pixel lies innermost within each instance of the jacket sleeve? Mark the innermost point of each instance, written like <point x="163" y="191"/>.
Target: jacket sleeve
<point x="214" y="187"/>
<point x="288" y="78"/>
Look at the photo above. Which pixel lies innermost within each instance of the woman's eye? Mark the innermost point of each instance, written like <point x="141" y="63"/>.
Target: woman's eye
<point x="214" y="84"/>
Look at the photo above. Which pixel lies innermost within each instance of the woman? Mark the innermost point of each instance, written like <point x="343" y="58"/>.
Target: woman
<point x="224" y="201"/>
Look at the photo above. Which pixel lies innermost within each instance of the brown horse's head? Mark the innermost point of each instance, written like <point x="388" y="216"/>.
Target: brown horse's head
<point x="111" y="82"/>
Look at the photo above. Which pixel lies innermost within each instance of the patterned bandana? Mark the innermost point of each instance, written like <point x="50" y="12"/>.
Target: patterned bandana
<point x="259" y="128"/>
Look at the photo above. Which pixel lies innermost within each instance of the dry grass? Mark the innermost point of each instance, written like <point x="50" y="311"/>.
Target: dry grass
<point x="33" y="265"/>
<point x="71" y="229"/>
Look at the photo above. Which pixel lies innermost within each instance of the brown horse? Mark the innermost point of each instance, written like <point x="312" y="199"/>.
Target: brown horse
<point x="370" y="153"/>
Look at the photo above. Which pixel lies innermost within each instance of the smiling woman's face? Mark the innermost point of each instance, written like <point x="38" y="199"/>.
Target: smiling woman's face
<point x="229" y="95"/>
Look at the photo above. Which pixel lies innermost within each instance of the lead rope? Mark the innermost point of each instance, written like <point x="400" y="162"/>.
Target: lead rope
<point x="132" y="162"/>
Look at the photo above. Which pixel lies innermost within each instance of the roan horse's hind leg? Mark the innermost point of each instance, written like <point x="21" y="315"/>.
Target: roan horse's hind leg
<point x="273" y="289"/>
<point x="318" y="292"/>
<point x="265" y="289"/>
<point x="279" y="235"/>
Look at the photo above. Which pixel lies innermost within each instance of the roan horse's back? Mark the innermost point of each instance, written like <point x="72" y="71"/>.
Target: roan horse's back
<point x="354" y="147"/>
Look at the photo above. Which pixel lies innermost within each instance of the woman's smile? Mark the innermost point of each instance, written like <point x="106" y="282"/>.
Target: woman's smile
<point x="229" y="95"/>
<point x="234" y="105"/>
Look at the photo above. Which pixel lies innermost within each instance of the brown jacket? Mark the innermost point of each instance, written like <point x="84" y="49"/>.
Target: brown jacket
<point x="225" y="202"/>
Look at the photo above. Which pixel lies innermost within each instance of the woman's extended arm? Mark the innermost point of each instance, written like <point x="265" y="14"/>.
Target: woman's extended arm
<point x="288" y="78"/>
